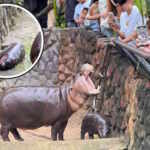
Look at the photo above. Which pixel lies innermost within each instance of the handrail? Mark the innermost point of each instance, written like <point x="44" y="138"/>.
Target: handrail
<point x="132" y="49"/>
<point x="136" y="56"/>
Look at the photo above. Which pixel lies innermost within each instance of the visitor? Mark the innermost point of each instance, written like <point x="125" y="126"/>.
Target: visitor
<point x="82" y="17"/>
<point x="106" y="8"/>
<point x="69" y="12"/>
<point x="145" y="45"/>
<point x="82" y="4"/>
<point x="130" y="19"/>
<point x="94" y="16"/>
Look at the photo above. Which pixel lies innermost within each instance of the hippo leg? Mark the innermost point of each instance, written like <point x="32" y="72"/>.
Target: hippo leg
<point x="91" y="135"/>
<point x="83" y="134"/>
<point x="58" y="129"/>
<point x="54" y="130"/>
<point x="61" y="130"/>
<point x="16" y="134"/>
<point x="100" y="133"/>
<point x="4" y="132"/>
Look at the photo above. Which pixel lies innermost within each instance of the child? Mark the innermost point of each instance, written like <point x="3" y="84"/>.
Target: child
<point x="130" y="19"/>
<point x="78" y="10"/>
<point x="83" y="16"/>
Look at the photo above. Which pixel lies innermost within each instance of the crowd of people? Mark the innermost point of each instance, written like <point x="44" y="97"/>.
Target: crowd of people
<point x="109" y="17"/>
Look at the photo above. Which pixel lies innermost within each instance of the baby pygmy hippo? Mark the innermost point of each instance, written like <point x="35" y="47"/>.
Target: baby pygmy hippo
<point x="92" y="124"/>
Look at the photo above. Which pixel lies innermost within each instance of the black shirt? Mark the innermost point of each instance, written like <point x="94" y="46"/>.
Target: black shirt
<point x="69" y="10"/>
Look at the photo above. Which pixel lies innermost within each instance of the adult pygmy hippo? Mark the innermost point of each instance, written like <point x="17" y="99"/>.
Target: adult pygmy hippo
<point x="92" y="124"/>
<point x="11" y="56"/>
<point x="33" y="107"/>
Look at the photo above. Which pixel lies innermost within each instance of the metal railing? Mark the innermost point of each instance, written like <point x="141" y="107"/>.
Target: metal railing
<point x="136" y="56"/>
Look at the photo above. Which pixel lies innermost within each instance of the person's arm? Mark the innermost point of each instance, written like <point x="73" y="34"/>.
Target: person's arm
<point x="91" y="15"/>
<point x="131" y="37"/>
<point x="117" y="30"/>
<point x="76" y="17"/>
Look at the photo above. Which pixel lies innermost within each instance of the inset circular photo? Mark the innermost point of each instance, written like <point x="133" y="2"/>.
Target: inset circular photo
<point x="21" y="41"/>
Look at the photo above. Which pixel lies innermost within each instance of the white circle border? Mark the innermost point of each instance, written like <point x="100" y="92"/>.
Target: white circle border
<point x="42" y="42"/>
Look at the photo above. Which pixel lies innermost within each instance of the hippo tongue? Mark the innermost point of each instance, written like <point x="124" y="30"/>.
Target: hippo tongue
<point x="3" y="59"/>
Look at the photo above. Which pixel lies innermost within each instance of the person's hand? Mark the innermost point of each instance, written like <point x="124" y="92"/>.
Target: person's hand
<point x="104" y="14"/>
<point x="114" y="27"/>
<point x="137" y="42"/>
<point x="80" y="21"/>
<point x="97" y="16"/>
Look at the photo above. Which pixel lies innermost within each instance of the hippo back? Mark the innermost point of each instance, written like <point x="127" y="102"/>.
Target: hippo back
<point x="32" y="107"/>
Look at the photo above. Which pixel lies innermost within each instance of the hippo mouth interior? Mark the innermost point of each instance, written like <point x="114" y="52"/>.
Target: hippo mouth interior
<point x="3" y="59"/>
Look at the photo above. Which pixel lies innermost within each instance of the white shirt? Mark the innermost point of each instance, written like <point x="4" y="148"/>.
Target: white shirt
<point x="102" y="9"/>
<point x="129" y="23"/>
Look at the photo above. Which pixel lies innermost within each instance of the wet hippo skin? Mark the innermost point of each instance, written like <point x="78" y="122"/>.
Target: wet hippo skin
<point x="92" y="124"/>
<point x="11" y="56"/>
<point x="33" y="107"/>
<point x="35" y="49"/>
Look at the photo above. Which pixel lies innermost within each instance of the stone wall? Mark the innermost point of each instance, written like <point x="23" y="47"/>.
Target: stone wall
<point x="7" y="20"/>
<point x="124" y="97"/>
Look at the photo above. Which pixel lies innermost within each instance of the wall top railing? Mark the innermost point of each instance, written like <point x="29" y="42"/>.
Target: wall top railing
<point x="139" y="58"/>
<point x="132" y="49"/>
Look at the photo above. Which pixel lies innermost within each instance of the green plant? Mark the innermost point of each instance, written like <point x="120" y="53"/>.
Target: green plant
<point x="148" y="6"/>
<point x="59" y="15"/>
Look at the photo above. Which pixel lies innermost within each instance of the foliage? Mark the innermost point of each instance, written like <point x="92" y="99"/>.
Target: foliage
<point x="141" y="5"/>
<point x="148" y="7"/>
<point x="59" y="15"/>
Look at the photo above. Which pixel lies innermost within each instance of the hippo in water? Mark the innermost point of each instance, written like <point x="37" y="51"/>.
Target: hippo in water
<point x="33" y="107"/>
<point x="92" y="124"/>
<point x="10" y="57"/>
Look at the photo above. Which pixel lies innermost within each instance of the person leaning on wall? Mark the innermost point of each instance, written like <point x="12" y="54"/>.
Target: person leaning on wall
<point x="105" y="8"/>
<point x="130" y="19"/>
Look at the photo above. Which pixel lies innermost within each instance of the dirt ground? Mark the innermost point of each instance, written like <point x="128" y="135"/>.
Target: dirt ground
<point x="24" y="31"/>
<point x="72" y="131"/>
<point x="40" y="139"/>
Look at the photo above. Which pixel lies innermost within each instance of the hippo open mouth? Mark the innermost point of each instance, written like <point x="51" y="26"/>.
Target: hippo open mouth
<point x="3" y="59"/>
<point x="11" y="56"/>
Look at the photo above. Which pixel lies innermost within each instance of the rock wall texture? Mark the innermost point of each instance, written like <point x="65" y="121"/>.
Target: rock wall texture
<point x="7" y="20"/>
<point x="124" y="97"/>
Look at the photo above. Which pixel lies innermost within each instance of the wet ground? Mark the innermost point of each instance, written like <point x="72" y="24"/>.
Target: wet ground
<point x="24" y="32"/>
